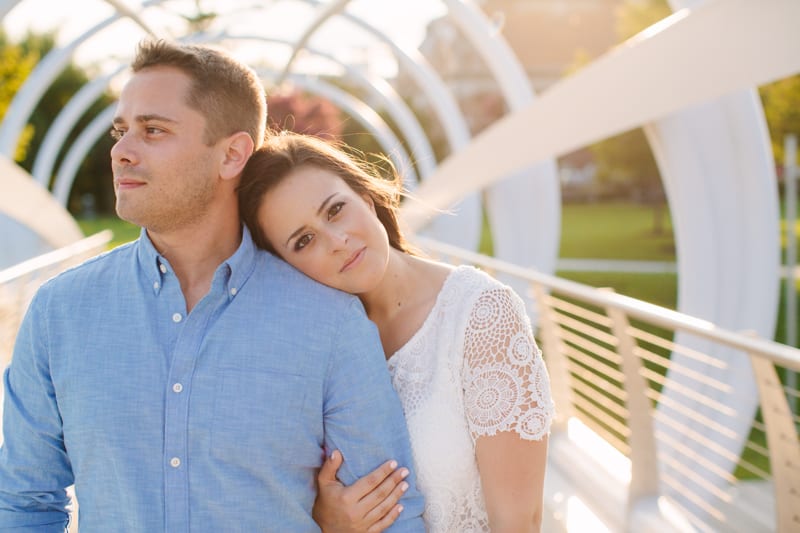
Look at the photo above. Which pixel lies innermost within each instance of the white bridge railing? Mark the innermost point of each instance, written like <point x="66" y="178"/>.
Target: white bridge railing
<point x="608" y="357"/>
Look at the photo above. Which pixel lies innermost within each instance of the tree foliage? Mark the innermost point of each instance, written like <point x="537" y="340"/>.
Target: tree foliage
<point x="17" y="60"/>
<point x="781" y="101"/>
<point x="297" y="111"/>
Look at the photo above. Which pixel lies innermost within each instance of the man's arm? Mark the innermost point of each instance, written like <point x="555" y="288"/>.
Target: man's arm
<point x="363" y="416"/>
<point x="34" y="467"/>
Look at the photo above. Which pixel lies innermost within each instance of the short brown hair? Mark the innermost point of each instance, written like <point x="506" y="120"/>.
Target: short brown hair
<point x="227" y="92"/>
<point x="284" y="152"/>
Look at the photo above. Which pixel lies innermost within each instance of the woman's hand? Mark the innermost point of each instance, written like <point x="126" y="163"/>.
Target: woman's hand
<point x="368" y="505"/>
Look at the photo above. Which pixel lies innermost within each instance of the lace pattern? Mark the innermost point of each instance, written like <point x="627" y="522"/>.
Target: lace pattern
<point x="473" y="369"/>
<point x="506" y="388"/>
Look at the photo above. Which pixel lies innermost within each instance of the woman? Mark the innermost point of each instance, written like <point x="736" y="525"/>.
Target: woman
<point x="458" y="343"/>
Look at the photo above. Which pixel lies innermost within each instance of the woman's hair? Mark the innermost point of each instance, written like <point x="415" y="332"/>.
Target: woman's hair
<point x="225" y="91"/>
<point x="284" y="152"/>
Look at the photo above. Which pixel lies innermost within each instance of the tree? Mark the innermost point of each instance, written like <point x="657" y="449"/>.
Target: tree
<point x="17" y="60"/>
<point x="781" y="101"/>
<point x="625" y="160"/>
<point x="303" y="113"/>
<point x="16" y="64"/>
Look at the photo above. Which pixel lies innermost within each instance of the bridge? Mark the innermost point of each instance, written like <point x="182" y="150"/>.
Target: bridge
<point x="668" y="420"/>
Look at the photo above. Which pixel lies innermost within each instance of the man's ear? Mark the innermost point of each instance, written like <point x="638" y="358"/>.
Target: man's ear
<point x="238" y="149"/>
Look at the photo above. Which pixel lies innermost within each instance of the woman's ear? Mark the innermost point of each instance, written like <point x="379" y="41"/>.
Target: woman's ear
<point x="238" y="149"/>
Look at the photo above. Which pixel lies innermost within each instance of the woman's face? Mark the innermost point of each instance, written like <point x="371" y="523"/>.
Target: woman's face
<point x="323" y="228"/>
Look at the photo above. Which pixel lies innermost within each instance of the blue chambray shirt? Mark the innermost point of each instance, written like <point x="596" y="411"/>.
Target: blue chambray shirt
<point x="211" y="421"/>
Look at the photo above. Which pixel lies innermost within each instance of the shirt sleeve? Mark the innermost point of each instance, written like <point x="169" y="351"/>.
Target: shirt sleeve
<point x="362" y="414"/>
<point x="506" y="386"/>
<point x="34" y="468"/>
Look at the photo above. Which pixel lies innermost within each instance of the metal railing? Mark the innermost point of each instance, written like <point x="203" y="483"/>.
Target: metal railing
<point x="614" y="371"/>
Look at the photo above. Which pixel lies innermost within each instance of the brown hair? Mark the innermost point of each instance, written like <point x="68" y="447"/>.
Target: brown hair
<point x="228" y="93"/>
<point x="284" y="152"/>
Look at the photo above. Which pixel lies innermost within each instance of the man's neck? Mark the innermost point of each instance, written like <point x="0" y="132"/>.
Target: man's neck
<point x="196" y="252"/>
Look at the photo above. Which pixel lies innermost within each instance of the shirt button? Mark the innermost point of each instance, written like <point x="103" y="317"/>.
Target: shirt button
<point x="177" y="387"/>
<point x="174" y="462"/>
<point x="233" y="291"/>
<point x="177" y="317"/>
<point x="162" y="268"/>
<point x="155" y="285"/>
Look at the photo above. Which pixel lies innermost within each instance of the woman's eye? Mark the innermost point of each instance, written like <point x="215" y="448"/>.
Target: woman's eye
<point x="302" y="242"/>
<point x="334" y="210"/>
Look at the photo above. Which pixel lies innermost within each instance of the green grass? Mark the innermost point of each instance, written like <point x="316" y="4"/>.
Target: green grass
<point x="615" y="231"/>
<point x="123" y="231"/>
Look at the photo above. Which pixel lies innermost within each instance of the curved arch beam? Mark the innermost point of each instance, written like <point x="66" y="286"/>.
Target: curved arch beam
<point x="64" y="123"/>
<point x="76" y="107"/>
<point x="359" y="110"/>
<point x="716" y="163"/>
<point x="326" y="11"/>
<point x="754" y="43"/>
<point x="463" y="226"/>
<point x="530" y="199"/>
<point x="24" y="102"/>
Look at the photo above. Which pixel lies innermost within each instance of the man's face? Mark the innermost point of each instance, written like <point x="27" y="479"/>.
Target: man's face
<point x="165" y="175"/>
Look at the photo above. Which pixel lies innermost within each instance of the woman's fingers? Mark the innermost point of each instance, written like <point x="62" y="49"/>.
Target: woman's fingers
<point x="327" y="474"/>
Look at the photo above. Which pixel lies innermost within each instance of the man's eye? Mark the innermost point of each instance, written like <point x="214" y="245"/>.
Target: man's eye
<point x="150" y="130"/>
<point x="334" y="210"/>
<point x="302" y="242"/>
<point x="116" y="133"/>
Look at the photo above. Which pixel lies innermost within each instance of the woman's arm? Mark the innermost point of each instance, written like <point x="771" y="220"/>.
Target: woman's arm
<point x="512" y="476"/>
<point x="368" y="505"/>
<point x="509" y="409"/>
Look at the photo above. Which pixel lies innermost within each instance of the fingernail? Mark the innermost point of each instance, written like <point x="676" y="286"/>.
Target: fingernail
<point x="399" y="508"/>
<point x="393" y="465"/>
<point x="404" y="473"/>
<point x="404" y="486"/>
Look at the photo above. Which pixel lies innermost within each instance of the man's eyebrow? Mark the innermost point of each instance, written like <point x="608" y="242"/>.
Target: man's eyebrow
<point x="145" y="118"/>
<point x="320" y="210"/>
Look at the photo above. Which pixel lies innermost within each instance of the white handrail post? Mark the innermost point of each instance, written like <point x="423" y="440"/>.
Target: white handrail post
<point x="784" y="449"/>
<point x="643" y="487"/>
<point x="557" y="367"/>
<point x="790" y="200"/>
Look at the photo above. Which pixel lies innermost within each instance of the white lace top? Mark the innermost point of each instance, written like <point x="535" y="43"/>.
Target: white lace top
<point x="473" y="369"/>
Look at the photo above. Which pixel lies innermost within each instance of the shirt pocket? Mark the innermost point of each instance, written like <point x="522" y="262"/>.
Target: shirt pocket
<point x="263" y="417"/>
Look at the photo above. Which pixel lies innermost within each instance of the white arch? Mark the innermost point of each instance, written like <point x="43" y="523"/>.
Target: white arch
<point x="359" y="110"/>
<point x="463" y="227"/>
<point x="422" y="152"/>
<point x="737" y="288"/>
<point x="716" y="163"/>
<point x="531" y="199"/>
<point x="42" y="76"/>
<point x="62" y="125"/>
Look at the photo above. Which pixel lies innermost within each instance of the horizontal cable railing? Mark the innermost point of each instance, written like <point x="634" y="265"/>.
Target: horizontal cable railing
<point x="651" y="383"/>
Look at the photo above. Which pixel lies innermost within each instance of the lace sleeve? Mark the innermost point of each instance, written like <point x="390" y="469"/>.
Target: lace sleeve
<point x="506" y="386"/>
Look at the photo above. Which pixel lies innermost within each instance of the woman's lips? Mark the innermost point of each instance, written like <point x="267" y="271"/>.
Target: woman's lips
<point x="353" y="260"/>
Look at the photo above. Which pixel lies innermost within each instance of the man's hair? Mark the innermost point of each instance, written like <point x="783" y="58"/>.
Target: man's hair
<point x="284" y="152"/>
<point x="225" y="91"/>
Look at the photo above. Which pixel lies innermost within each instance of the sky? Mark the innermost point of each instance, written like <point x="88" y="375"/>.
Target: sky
<point x="403" y="20"/>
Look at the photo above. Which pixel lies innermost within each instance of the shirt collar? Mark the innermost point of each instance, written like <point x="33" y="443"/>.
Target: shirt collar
<point x="236" y="269"/>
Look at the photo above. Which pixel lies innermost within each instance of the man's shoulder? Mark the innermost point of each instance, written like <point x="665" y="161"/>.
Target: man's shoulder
<point x="93" y="269"/>
<point x="282" y="276"/>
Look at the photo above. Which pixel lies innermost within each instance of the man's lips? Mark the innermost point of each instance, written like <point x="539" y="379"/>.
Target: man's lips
<point x="353" y="259"/>
<point x="128" y="183"/>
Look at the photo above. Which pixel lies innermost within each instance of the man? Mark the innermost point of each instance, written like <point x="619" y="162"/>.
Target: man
<point x="187" y="381"/>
